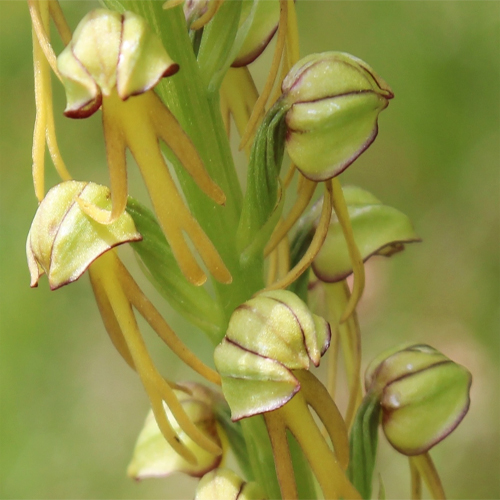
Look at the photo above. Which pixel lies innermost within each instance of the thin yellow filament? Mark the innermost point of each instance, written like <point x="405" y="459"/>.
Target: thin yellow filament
<point x="316" y="396"/>
<point x="285" y="68"/>
<point x="170" y="4"/>
<point x="333" y="356"/>
<point x="260" y="105"/>
<point x="291" y="48"/>
<point x="289" y="175"/>
<point x="38" y="149"/>
<point x="213" y="7"/>
<point x="283" y="257"/>
<point x="355" y="392"/>
<point x="305" y="194"/>
<point x="152" y="380"/>
<point x="239" y="92"/>
<point x="167" y="128"/>
<point x="314" y="247"/>
<point x="164" y="425"/>
<point x="292" y="35"/>
<point x="115" y="151"/>
<point x="44" y="130"/>
<point x="109" y="319"/>
<point x="429" y="474"/>
<point x="416" y="482"/>
<point x="272" y="271"/>
<point x="340" y="207"/>
<point x="325" y="466"/>
<point x="60" y="21"/>
<point x="38" y="10"/>
<point x="145" y="368"/>
<point x="55" y="154"/>
<point x="148" y="311"/>
<point x="337" y="295"/>
<point x="173" y="215"/>
<point x="281" y="451"/>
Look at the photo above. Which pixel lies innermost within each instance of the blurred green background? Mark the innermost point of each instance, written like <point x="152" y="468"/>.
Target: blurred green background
<point x="70" y="409"/>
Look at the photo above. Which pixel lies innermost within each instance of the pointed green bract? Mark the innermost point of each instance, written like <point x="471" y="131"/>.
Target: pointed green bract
<point x="263" y="25"/>
<point x="261" y="204"/>
<point x="363" y="443"/>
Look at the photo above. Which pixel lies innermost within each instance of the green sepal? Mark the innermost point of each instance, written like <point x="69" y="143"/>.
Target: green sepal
<point x="262" y="197"/>
<point x="421" y="409"/>
<point x="252" y="383"/>
<point x="262" y="17"/>
<point x="260" y="455"/>
<point x="363" y="445"/>
<point x="378" y="230"/>
<point x="193" y="302"/>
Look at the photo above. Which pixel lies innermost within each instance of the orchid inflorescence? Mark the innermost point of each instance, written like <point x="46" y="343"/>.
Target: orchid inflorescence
<point x="268" y="288"/>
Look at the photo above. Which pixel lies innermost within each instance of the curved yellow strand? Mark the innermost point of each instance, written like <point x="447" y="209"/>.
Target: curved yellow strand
<point x="306" y="192"/>
<point x="149" y="312"/>
<point x="38" y="10"/>
<point x="260" y="105"/>
<point x="314" y="247"/>
<point x="340" y="207"/>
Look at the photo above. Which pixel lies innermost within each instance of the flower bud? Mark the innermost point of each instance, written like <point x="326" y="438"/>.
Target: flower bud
<point x="63" y="241"/>
<point x="334" y="100"/>
<point x="378" y="230"/>
<point x="194" y="9"/>
<point x="264" y="23"/>
<point x="423" y="396"/>
<point x="110" y="50"/>
<point x="268" y="337"/>
<point x="154" y="457"/>
<point x="224" y="484"/>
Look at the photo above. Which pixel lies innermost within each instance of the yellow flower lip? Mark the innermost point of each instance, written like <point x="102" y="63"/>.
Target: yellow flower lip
<point x="111" y="51"/>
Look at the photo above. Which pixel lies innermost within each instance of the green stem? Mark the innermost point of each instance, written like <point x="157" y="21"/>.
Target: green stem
<point x="350" y="339"/>
<point x="429" y="474"/>
<point x="325" y="466"/>
<point x="260" y="455"/>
